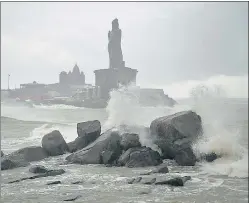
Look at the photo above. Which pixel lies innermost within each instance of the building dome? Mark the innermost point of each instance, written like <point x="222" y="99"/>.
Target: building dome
<point x="76" y="70"/>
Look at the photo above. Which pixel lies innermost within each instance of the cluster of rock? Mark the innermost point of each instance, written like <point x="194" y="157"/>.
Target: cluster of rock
<point x="173" y="134"/>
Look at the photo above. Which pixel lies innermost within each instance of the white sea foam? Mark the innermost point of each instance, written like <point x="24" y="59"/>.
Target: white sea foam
<point x="56" y="106"/>
<point x="210" y="103"/>
<point x="69" y="132"/>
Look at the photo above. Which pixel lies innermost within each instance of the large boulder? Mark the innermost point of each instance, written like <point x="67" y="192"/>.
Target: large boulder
<point x="78" y="144"/>
<point x="176" y="133"/>
<point x="129" y="140"/>
<point x="210" y="157"/>
<point x="22" y="157"/>
<point x="54" y="144"/>
<point x="33" y="153"/>
<point x="185" y="157"/>
<point x="88" y="132"/>
<point x="7" y="163"/>
<point x="89" y="129"/>
<point x="139" y="157"/>
<point x="105" y="150"/>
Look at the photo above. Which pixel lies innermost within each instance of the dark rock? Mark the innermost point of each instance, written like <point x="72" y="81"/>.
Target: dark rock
<point x="210" y="157"/>
<point x="105" y="150"/>
<point x="140" y="157"/>
<point x="77" y="182"/>
<point x="54" y="144"/>
<point x="148" y="181"/>
<point x="73" y="198"/>
<point x="49" y="173"/>
<point x="90" y="130"/>
<point x="54" y="182"/>
<point x="177" y="181"/>
<point x="7" y="163"/>
<point x="134" y="180"/>
<point x="175" y="133"/>
<point x="137" y="180"/>
<point x="38" y="169"/>
<point x="78" y="144"/>
<point x="131" y="181"/>
<point x="2" y="154"/>
<point x="186" y="157"/>
<point x="28" y="154"/>
<point x="144" y="192"/>
<point x="129" y="140"/>
<point x="162" y="168"/>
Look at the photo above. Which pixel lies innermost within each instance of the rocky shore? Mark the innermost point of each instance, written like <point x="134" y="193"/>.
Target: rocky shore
<point x="118" y="147"/>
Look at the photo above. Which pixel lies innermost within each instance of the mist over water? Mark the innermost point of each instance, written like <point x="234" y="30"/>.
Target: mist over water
<point x="232" y="86"/>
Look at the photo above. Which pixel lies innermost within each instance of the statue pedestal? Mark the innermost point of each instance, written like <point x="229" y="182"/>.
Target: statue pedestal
<point x="108" y="79"/>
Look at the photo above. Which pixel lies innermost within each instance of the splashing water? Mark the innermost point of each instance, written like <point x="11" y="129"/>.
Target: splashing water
<point x="210" y="103"/>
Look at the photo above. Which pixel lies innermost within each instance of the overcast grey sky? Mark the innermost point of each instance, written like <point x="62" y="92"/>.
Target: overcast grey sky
<point x="167" y="42"/>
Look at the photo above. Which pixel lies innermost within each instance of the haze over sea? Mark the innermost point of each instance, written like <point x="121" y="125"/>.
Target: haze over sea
<point x="225" y="122"/>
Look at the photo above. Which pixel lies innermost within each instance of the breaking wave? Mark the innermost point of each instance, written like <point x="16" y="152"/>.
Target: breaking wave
<point x="222" y="132"/>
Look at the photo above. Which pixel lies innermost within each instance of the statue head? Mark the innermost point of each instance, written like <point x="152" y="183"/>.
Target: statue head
<point x="115" y="24"/>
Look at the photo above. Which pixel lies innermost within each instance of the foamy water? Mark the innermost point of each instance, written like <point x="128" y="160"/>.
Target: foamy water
<point x="223" y="123"/>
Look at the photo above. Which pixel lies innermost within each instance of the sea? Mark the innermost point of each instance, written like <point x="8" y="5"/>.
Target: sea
<point x="225" y="123"/>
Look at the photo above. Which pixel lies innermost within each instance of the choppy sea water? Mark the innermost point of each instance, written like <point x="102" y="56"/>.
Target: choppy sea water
<point x="225" y="131"/>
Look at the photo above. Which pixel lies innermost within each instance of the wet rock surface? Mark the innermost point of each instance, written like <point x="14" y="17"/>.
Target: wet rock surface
<point x="49" y="173"/>
<point x="140" y="157"/>
<point x="176" y="133"/>
<point x="54" y="144"/>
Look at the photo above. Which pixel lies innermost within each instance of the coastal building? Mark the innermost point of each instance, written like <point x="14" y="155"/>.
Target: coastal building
<point x="72" y="84"/>
<point x="72" y="78"/>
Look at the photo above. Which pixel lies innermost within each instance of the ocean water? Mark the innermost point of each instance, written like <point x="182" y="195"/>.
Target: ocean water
<point x="225" y="123"/>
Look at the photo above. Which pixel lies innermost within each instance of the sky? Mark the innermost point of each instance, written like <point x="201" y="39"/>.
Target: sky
<point x="173" y="45"/>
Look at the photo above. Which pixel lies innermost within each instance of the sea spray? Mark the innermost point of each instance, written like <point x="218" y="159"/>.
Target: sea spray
<point x="124" y="109"/>
<point x="219" y="136"/>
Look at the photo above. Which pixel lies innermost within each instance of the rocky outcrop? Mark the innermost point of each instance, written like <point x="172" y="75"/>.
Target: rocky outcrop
<point x="2" y="154"/>
<point x="134" y="180"/>
<point x="38" y="169"/>
<point x="7" y="163"/>
<point x="54" y="144"/>
<point x="22" y="157"/>
<point x="148" y="181"/>
<point x="176" y="133"/>
<point x="41" y="175"/>
<point x="129" y="140"/>
<point x="139" y="157"/>
<point x="29" y="154"/>
<point x="177" y="181"/>
<point x="104" y="150"/>
<point x="88" y="132"/>
<point x="185" y="157"/>
<point x="78" y="144"/>
<point x="209" y="157"/>
<point x="54" y="182"/>
<point x="89" y="129"/>
<point x="162" y="168"/>
<point x="72" y="198"/>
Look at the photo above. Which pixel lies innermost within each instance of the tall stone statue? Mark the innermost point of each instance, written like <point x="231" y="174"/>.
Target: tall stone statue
<point x="114" y="46"/>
